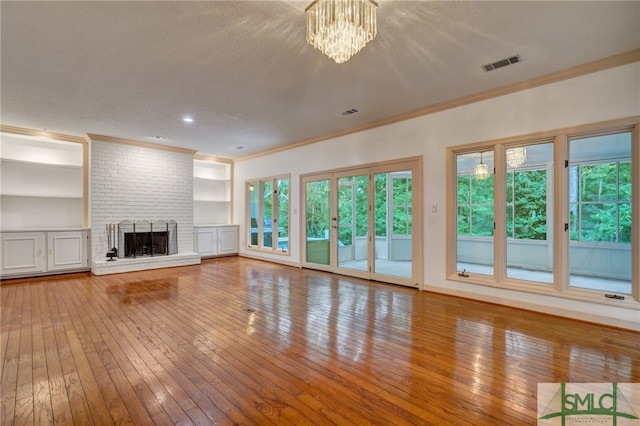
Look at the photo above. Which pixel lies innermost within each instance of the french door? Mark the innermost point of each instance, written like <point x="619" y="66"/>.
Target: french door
<point x="365" y="222"/>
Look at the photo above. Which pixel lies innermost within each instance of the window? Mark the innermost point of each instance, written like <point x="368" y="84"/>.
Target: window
<point x="600" y="212"/>
<point x="527" y="204"/>
<point x="529" y="212"/>
<point x="600" y="202"/>
<point x="557" y="215"/>
<point x="282" y="186"/>
<point x="474" y="208"/>
<point x="268" y="214"/>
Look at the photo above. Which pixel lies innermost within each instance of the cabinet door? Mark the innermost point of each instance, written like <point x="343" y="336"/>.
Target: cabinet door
<point x="22" y="252"/>
<point x="228" y="239"/>
<point x="66" y="250"/>
<point x="205" y="241"/>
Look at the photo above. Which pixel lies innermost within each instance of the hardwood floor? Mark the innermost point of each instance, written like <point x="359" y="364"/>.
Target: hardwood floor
<point x="238" y="341"/>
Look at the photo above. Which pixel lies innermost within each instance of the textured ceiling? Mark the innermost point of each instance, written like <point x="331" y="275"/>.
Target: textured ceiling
<point x="245" y="73"/>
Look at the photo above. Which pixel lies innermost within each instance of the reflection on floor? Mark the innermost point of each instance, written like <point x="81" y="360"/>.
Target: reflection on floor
<point x="402" y="268"/>
<point x="396" y="268"/>
<point x="239" y="341"/>
<point x="578" y="281"/>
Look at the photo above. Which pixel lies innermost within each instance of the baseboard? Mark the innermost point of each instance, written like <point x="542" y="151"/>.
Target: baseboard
<point x="540" y="308"/>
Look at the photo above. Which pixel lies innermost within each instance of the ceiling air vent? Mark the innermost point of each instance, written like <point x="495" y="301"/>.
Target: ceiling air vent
<point x="502" y="63"/>
<point x="349" y="111"/>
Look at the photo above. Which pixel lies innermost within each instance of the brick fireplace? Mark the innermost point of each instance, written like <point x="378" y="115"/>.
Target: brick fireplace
<point x="140" y="183"/>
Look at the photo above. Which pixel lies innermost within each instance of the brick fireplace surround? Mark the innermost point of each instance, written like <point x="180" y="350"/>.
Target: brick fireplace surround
<point x="134" y="182"/>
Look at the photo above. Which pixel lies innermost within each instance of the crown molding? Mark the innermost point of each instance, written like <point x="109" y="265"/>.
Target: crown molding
<point x="577" y="71"/>
<point x="41" y="134"/>
<point x="204" y="157"/>
<point x="111" y="139"/>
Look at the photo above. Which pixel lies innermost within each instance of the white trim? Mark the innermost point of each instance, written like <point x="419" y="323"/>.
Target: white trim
<point x="104" y="267"/>
<point x="627" y="319"/>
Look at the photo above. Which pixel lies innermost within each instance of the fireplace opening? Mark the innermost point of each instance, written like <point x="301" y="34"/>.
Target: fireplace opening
<point x="147" y="238"/>
<point x="145" y="244"/>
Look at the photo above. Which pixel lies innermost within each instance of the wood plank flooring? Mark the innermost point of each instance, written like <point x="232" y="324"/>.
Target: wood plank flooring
<point x="238" y="341"/>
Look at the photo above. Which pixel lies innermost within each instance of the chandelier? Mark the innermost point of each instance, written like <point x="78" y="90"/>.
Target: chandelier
<point x="481" y="171"/>
<point x="340" y="28"/>
<point x="516" y="156"/>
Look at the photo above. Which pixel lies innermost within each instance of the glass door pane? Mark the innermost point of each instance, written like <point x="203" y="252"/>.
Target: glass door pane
<point x="353" y="222"/>
<point x="318" y="221"/>
<point x="393" y="215"/>
<point x="361" y="222"/>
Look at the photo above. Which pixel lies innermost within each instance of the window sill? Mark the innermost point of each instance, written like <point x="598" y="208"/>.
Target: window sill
<point x="545" y="289"/>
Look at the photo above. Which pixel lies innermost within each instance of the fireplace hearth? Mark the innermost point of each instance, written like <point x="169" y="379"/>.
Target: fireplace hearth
<point x="147" y="238"/>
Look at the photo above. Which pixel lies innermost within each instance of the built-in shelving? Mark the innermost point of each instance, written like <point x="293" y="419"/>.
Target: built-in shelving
<point x="27" y="179"/>
<point x="41" y="182"/>
<point x="211" y="192"/>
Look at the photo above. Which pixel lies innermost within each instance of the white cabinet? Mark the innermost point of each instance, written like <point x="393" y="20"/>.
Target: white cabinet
<point x="39" y="253"/>
<point x="205" y="240"/>
<point x="23" y="253"/>
<point x="67" y="250"/>
<point x="215" y="240"/>
<point x="211" y="192"/>
<point x="228" y="239"/>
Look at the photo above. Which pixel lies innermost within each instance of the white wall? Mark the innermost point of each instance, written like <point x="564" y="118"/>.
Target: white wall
<point x="135" y="183"/>
<point x="605" y="95"/>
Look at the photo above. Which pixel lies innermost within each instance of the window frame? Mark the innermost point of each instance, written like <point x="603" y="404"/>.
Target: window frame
<point x="559" y="217"/>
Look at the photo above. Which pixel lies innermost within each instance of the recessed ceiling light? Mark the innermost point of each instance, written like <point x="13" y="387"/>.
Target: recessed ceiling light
<point x="156" y="137"/>
<point x="187" y="120"/>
